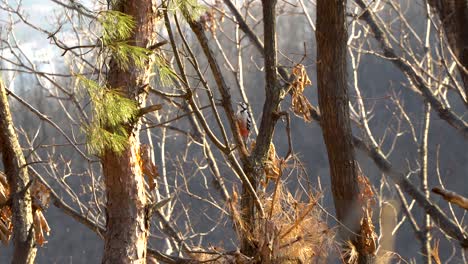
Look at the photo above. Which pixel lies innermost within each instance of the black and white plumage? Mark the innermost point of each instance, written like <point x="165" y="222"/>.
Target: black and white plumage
<point x="244" y="120"/>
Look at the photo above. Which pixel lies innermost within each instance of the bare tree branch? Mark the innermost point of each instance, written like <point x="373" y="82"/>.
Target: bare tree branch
<point x="442" y="110"/>
<point x="452" y="197"/>
<point x="18" y="181"/>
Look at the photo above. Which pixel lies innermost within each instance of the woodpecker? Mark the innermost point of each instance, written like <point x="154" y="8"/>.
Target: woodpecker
<point x="244" y="120"/>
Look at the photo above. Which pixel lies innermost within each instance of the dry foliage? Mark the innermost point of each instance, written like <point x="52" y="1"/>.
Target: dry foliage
<point x="294" y="231"/>
<point x="367" y="200"/>
<point x="300" y="105"/>
<point x="6" y="227"/>
<point x="218" y="255"/>
<point x="147" y="165"/>
<point x="210" y="18"/>
<point x="239" y="226"/>
<point x="40" y="196"/>
<point x="40" y="227"/>
<point x="367" y="236"/>
<point x="272" y="166"/>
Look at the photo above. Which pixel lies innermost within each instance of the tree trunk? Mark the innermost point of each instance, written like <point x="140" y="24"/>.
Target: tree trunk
<point x="273" y="93"/>
<point x="454" y="17"/>
<point x="331" y="37"/>
<point x="127" y="225"/>
<point x="18" y="179"/>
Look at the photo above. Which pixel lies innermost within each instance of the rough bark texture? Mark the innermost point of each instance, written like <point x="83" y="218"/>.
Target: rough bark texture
<point x="454" y="17"/>
<point x="331" y="37"/>
<point x="273" y="97"/>
<point x="18" y="179"/>
<point x="127" y="223"/>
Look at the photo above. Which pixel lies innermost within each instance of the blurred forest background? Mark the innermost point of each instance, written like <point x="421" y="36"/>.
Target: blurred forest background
<point x="52" y="109"/>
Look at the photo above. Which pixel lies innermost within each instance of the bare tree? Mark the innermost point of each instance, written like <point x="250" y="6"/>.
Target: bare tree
<point x="19" y="182"/>
<point x="221" y="198"/>
<point x="332" y="35"/>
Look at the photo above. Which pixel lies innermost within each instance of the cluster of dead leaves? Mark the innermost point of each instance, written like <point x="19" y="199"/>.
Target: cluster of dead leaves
<point x="147" y="165"/>
<point x="294" y="231"/>
<point x="210" y="18"/>
<point x="272" y="166"/>
<point x="6" y="227"/>
<point x="367" y="200"/>
<point x="40" y="197"/>
<point x="300" y="105"/>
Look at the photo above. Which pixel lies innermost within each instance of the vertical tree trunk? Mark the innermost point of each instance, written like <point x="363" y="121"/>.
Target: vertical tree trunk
<point x="273" y="93"/>
<point x="127" y="223"/>
<point x="331" y="37"/>
<point x="454" y="17"/>
<point x="18" y="179"/>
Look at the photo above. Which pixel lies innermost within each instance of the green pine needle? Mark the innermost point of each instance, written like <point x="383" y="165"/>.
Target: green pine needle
<point x="117" y="28"/>
<point x="166" y="74"/>
<point x="111" y="113"/>
<point x="189" y="8"/>
<point x="124" y="54"/>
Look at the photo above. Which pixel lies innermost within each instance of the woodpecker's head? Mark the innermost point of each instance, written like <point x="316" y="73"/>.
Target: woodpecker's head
<point x="242" y="107"/>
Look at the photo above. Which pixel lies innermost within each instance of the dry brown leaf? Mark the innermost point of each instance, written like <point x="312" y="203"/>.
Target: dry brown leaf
<point x="4" y="193"/>
<point x="40" y="194"/>
<point x="272" y="165"/>
<point x="40" y="227"/>
<point x="44" y="224"/>
<point x="147" y="165"/>
<point x="38" y="233"/>
<point x="5" y="231"/>
<point x="368" y="235"/>
<point x="301" y="106"/>
<point x="301" y="80"/>
<point x="3" y="179"/>
<point x="41" y="198"/>
<point x="366" y="194"/>
<point x="367" y="200"/>
<point x="6" y="227"/>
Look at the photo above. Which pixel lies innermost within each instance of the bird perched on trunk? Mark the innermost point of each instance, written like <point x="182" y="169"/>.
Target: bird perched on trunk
<point x="244" y="120"/>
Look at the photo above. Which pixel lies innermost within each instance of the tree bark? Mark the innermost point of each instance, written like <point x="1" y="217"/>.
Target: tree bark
<point x="454" y="17"/>
<point x="18" y="179"/>
<point x="273" y="96"/>
<point x="331" y="37"/>
<point x="127" y="225"/>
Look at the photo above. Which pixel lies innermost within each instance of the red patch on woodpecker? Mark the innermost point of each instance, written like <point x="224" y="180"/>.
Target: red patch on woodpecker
<point x="243" y="129"/>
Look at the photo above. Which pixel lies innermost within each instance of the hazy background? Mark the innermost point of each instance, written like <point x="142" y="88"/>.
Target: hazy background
<point x="70" y="242"/>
